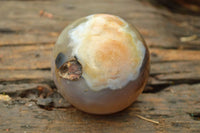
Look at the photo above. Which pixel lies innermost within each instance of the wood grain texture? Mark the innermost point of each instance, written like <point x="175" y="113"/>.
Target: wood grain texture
<point x="27" y="38"/>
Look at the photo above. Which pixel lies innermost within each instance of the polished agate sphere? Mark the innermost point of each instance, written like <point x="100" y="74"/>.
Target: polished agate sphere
<point x="100" y="64"/>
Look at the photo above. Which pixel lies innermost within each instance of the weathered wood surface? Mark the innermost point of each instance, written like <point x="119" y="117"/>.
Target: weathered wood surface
<point x="26" y="40"/>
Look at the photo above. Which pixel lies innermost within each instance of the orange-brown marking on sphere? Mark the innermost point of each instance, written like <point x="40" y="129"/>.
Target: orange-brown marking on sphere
<point x="111" y="18"/>
<point x="111" y="56"/>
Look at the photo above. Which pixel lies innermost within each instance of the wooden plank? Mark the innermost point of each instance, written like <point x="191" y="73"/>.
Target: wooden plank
<point x="37" y="29"/>
<point x="26" y="57"/>
<point x="174" y="114"/>
<point x="25" y="76"/>
<point x="175" y="67"/>
<point x="170" y="73"/>
<point x="163" y="55"/>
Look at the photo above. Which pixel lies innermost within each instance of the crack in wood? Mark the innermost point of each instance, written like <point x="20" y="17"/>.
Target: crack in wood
<point x="26" y="44"/>
<point x="159" y="87"/>
<point x="155" y="88"/>
<point x="195" y="116"/>
<point x="185" y="46"/>
<point x="8" y="31"/>
<point x="27" y="0"/>
<point x="40" y="81"/>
